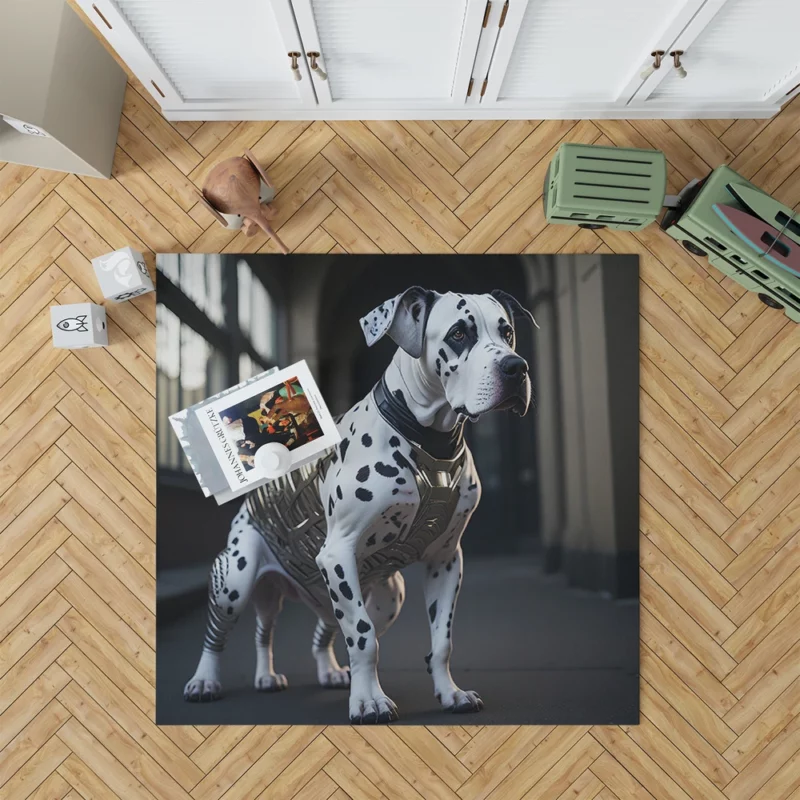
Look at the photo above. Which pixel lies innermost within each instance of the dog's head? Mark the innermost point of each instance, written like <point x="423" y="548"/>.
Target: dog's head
<point x="465" y="342"/>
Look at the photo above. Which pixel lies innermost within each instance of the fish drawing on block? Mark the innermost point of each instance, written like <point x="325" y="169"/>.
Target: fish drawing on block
<point x="77" y="324"/>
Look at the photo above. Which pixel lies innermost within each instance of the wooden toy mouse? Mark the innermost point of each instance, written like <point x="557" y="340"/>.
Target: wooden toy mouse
<point x="233" y="188"/>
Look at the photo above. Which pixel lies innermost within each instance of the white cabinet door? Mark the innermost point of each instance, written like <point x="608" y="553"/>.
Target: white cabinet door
<point x="224" y="55"/>
<point x="390" y="54"/>
<point x="736" y="51"/>
<point x="578" y="53"/>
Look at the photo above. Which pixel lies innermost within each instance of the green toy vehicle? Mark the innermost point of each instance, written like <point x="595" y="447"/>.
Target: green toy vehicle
<point x="605" y="187"/>
<point x="745" y="234"/>
<point x="701" y="230"/>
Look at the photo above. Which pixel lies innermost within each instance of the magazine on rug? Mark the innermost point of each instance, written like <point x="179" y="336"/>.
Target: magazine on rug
<point x="222" y="435"/>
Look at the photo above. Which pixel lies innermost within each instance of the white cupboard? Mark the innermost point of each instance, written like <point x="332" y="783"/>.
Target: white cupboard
<point x="428" y="59"/>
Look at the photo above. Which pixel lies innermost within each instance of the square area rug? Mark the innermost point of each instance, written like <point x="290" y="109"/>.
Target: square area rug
<point x="486" y="399"/>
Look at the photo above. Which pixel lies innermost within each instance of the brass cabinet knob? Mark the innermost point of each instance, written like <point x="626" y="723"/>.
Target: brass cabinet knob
<point x="295" y="67"/>
<point x="676" y="60"/>
<point x="651" y="68"/>
<point x="313" y="56"/>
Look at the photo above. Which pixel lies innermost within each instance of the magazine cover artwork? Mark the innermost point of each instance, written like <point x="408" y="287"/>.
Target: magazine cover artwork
<point x="283" y="407"/>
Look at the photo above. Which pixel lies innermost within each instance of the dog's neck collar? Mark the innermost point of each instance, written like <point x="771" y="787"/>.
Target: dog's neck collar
<point x="394" y="410"/>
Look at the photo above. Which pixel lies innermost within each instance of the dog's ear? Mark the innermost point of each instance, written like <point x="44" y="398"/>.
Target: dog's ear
<point x="403" y="318"/>
<point x="512" y="306"/>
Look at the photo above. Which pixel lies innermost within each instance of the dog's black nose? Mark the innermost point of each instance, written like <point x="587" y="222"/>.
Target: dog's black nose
<point x="514" y="366"/>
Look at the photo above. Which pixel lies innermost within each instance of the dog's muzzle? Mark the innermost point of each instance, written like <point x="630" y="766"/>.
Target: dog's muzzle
<point x="516" y="386"/>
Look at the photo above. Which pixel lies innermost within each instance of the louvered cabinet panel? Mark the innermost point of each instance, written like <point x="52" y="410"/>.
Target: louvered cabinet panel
<point x="579" y="50"/>
<point x="391" y="51"/>
<point x="748" y="50"/>
<point x="214" y="53"/>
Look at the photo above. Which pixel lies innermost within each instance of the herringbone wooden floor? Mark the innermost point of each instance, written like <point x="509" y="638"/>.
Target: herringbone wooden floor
<point x="720" y="469"/>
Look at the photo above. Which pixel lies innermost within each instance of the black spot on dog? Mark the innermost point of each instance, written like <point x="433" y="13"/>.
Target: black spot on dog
<point x="325" y="575"/>
<point x="435" y="574"/>
<point x="438" y="367"/>
<point x="334" y="596"/>
<point x="230" y="609"/>
<point x="432" y="611"/>
<point x="447" y="374"/>
<point x="366" y="440"/>
<point x="339" y="613"/>
<point x="395" y="491"/>
<point x="330" y="506"/>
<point x="371" y="540"/>
<point x="394" y="442"/>
<point x="362" y="643"/>
<point x="236" y="540"/>
<point x="339" y="571"/>
<point x="224" y="591"/>
<point x="349" y="642"/>
<point x="454" y="368"/>
<point x="443" y="354"/>
<point x="471" y="318"/>
<point x="461" y="303"/>
<point x="235" y="553"/>
<point x="391" y="616"/>
<point x="363" y="626"/>
<point x="400" y="460"/>
<point x="388" y="538"/>
<point x="234" y="595"/>
<point x="387" y="470"/>
<point x="344" y="588"/>
<point x="339" y="492"/>
<point x="352" y="429"/>
<point x="449" y="566"/>
<point x="241" y="563"/>
<point x="400" y="481"/>
<point x="363" y="494"/>
<point x="362" y="474"/>
<point x="343" y="447"/>
<point x="472" y="487"/>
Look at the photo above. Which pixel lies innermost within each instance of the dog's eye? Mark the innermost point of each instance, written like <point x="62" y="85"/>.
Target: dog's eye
<point x="508" y="335"/>
<point x="457" y="335"/>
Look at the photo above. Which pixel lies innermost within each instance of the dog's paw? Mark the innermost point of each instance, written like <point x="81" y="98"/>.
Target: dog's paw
<point x="373" y="710"/>
<point x="335" y="678"/>
<point x="460" y="702"/>
<point x="202" y="691"/>
<point x="271" y="683"/>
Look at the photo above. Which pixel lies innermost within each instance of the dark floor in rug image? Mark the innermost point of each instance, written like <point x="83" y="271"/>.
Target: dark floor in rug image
<point x="570" y="665"/>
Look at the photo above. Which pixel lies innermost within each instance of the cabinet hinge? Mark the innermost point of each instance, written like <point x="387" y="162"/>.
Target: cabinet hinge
<point x="483" y="88"/>
<point x="487" y="12"/>
<point x="503" y="15"/>
<point x="469" y="88"/>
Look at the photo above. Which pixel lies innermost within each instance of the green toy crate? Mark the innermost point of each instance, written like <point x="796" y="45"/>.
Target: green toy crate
<point x="702" y="232"/>
<point x="598" y="187"/>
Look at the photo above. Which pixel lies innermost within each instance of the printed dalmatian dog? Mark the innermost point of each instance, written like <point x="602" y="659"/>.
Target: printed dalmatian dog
<point x="455" y="362"/>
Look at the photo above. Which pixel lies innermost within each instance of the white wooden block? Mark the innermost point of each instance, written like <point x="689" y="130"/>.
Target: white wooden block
<point x="122" y="274"/>
<point x="78" y="325"/>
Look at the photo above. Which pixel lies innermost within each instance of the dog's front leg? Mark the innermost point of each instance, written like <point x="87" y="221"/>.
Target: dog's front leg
<point x="442" y="584"/>
<point x="337" y="562"/>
